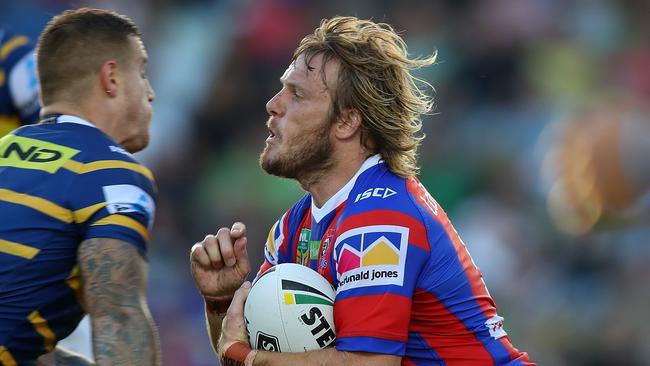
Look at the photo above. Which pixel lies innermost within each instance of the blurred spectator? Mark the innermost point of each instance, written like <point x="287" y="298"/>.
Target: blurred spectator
<point x="18" y="82"/>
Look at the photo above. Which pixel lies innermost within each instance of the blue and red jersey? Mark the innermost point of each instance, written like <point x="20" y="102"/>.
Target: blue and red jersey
<point x="405" y="283"/>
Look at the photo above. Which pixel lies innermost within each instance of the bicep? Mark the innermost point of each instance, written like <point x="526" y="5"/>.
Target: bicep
<point x="113" y="273"/>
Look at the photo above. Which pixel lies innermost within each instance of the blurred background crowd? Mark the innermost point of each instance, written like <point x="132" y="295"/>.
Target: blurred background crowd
<point x="538" y="149"/>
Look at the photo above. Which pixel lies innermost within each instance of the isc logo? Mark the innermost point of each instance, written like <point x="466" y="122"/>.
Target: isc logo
<point x="321" y="329"/>
<point x="375" y="192"/>
<point x="27" y="153"/>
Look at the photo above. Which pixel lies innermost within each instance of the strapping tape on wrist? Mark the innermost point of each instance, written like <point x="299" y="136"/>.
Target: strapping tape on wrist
<point x="238" y="354"/>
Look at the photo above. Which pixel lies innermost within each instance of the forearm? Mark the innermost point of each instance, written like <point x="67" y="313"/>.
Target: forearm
<point x="214" y="321"/>
<point x="128" y="338"/>
<point x="63" y="357"/>
<point x="329" y="356"/>
<point x="325" y="357"/>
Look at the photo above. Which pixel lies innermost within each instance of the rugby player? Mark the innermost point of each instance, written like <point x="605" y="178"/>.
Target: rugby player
<point x="346" y="125"/>
<point x="76" y="207"/>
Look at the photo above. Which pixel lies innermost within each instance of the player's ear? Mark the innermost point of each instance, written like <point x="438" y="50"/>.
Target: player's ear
<point x="348" y="123"/>
<point x="108" y="78"/>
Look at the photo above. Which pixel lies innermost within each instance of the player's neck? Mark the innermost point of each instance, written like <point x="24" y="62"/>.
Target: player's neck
<point x="66" y="108"/>
<point x="91" y="112"/>
<point x="323" y="185"/>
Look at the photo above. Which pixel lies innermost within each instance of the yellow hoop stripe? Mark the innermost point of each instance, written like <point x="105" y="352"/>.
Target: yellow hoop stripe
<point x="17" y="249"/>
<point x="49" y="208"/>
<point x="82" y="214"/>
<point x="37" y="203"/>
<point x="5" y="357"/>
<point x="74" y="281"/>
<point x="40" y="325"/>
<point x="11" y="45"/>
<point x="81" y="168"/>
<point x="125" y="221"/>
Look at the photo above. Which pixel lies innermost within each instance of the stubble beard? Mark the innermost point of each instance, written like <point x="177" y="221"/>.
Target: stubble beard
<point x="307" y="157"/>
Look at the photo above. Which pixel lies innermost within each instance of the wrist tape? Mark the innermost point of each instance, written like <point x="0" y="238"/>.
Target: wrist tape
<point x="238" y="354"/>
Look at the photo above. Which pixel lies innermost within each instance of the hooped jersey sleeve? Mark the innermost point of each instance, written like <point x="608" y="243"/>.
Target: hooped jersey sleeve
<point x="275" y="241"/>
<point x="280" y="246"/>
<point x="115" y="200"/>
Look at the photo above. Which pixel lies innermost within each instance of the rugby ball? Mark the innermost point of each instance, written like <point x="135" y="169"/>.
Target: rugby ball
<point x="290" y="308"/>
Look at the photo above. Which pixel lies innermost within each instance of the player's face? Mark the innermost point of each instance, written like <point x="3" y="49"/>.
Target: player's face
<point x="299" y="125"/>
<point x="138" y="94"/>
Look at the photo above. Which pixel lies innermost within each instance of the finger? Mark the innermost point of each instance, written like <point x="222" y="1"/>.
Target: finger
<point x="226" y="246"/>
<point x="211" y="245"/>
<point x="199" y="255"/>
<point x="239" y="299"/>
<point x="238" y="230"/>
<point x="241" y="254"/>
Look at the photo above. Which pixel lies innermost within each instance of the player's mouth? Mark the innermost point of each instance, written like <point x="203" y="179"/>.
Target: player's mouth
<point x="271" y="136"/>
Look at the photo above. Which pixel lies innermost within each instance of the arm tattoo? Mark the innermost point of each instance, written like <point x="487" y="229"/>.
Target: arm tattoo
<point x="63" y="357"/>
<point x="114" y="277"/>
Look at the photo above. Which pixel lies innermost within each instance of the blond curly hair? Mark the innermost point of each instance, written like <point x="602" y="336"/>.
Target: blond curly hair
<point x="375" y="79"/>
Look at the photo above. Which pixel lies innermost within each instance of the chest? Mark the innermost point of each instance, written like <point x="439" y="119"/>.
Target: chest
<point x="313" y="244"/>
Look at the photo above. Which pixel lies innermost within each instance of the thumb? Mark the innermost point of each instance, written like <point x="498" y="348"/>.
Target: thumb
<point x="240" y="296"/>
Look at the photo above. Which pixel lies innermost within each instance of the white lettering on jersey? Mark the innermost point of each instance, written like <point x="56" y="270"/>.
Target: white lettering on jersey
<point x="123" y="198"/>
<point x="371" y="256"/>
<point x="427" y="199"/>
<point x="375" y="192"/>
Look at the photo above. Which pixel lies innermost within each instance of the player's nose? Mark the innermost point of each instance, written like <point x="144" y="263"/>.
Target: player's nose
<point x="273" y="106"/>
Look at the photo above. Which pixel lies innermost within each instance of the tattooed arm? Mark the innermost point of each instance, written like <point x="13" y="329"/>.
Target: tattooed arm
<point x="62" y="357"/>
<point x="114" y="277"/>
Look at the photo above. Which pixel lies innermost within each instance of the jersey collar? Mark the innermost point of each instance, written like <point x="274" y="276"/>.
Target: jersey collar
<point x="66" y="118"/>
<point x="342" y="195"/>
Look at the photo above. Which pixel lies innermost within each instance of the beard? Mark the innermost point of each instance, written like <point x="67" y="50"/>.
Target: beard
<point x="306" y="155"/>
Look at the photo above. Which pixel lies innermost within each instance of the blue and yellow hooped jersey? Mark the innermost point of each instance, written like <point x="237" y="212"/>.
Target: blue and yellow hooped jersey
<point x="18" y="82"/>
<point x="61" y="183"/>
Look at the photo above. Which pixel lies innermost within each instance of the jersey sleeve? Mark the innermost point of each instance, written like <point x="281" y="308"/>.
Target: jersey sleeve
<point x="115" y="202"/>
<point x="274" y="242"/>
<point x="278" y="248"/>
<point x="379" y="253"/>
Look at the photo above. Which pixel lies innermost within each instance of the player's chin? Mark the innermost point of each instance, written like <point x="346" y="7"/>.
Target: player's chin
<point x="270" y="161"/>
<point x="264" y="159"/>
<point x="136" y="143"/>
<point x="267" y="154"/>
